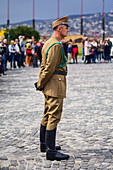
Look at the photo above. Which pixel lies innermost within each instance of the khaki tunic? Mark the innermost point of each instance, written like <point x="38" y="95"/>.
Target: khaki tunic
<point x="54" y="84"/>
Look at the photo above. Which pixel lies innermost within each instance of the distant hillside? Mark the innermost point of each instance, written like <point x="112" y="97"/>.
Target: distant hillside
<point x="29" y="22"/>
<point x="92" y="24"/>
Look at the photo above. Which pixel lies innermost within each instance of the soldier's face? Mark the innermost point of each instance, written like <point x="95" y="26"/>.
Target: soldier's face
<point x="64" y="31"/>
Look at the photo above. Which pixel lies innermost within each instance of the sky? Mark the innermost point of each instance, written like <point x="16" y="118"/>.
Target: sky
<point x="22" y="10"/>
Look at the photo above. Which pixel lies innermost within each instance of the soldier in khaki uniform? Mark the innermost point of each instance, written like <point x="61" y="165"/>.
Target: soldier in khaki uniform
<point x="52" y="82"/>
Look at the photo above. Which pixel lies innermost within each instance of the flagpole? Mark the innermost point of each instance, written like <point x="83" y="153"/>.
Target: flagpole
<point x="58" y="8"/>
<point x="81" y="17"/>
<point x="8" y="21"/>
<point x="33" y="14"/>
<point x="103" y="23"/>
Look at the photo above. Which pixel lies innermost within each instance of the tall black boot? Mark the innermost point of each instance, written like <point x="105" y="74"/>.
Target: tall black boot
<point x="42" y="139"/>
<point x="51" y="152"/>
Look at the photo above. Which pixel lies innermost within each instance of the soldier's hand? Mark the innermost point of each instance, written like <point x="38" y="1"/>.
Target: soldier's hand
<point x="40" y="89"/>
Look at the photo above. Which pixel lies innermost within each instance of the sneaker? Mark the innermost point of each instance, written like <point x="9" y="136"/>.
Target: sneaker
<point x="82" y="61"/>
<point x="4" y="73"/>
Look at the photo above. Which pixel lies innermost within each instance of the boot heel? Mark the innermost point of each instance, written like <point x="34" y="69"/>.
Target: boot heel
<point x="50" y="156"/>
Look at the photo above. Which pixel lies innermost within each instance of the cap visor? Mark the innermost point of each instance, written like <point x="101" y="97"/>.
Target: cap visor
<point x="67" y="25"/>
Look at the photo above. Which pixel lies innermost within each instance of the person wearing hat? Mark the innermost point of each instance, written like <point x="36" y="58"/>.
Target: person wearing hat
<point x="52" y="82"/>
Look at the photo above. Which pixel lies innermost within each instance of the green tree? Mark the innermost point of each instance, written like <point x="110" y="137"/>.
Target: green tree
<point x="22" y="30"/>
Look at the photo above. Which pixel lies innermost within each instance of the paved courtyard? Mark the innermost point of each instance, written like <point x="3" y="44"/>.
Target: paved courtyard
<point x="85" y="131"/>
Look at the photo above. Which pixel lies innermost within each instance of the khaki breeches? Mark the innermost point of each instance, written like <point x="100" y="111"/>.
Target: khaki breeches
<point x="69" y="57"/>
<point x="52" y="112"/>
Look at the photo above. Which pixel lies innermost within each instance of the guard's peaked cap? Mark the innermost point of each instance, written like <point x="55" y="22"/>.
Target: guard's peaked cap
<point x="60" y="21"/>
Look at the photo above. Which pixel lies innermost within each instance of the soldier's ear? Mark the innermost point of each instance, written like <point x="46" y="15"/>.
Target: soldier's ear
<point x="59" y="28"/>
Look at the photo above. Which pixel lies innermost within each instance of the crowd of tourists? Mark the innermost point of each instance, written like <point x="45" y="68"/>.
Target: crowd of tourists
<point x="93" y="50"/>
<point x="71" y="51"/>
<point x="24" y="53"/>
<point x="20" y="53"/>
<point x="96" y="50"/>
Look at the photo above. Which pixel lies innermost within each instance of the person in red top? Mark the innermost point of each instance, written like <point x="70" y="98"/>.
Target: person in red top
<point x="28" y="52"/>
<point x="75" y="53"/>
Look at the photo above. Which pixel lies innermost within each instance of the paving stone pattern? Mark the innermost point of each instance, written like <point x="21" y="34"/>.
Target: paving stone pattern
<point x="85" y="131"/>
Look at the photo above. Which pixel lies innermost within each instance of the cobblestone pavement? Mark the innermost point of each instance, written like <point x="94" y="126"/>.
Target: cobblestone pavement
<point x="85" y="131"/>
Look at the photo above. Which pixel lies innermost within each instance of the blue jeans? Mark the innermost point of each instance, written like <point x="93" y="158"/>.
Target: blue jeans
<point x="12" y="64"/>
<point x="103" y="54"/>
<point x="99" y="56"/>
<point x="82" y="53"/>
<point x="94" y="56"/>
<point x="35" y="61"/>
<point x="109" y="57"/>
<point x="3" y="60"/>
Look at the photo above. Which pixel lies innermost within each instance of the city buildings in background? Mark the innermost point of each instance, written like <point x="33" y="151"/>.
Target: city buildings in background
<point x="92" y="25"/>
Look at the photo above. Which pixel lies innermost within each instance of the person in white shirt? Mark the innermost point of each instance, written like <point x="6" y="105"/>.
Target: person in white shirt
<point x="12" y="54"/>
<point x="17" y="54"/>
<point x="87" y="47"/>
